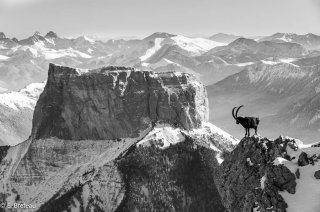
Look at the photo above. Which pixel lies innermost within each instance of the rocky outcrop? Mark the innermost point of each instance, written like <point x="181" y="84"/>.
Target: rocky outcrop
<point x="116" y="102"/>
<point x="303" y="159"/>
<point x="317" y="174"/>
<point x="250" y="179"/>
<point x="51" y="34"/>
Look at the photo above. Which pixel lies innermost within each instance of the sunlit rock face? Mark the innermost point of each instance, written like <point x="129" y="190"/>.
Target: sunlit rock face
<point x="119" y="102"/>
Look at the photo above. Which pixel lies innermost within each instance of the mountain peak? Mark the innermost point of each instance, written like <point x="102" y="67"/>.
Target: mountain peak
<point x="51" y="34"/>
<point x="36" y="37"/>
<point x="242" y="41"/>
<point x="2" y="35"/>
<point x="224" y="38"/>
<point x="159" y="35"/>
<point x="37" y="33"/>
<point x="15" y="39"/>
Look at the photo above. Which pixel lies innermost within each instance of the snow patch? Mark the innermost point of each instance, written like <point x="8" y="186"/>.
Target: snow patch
<point x="3" y="89"/>
<point x="89" y="39"/>
<point x="216" y="130"/>
<point x="285" y="38"/>
<point x="152" y="50"/>
<point x="195" y="45"/>
<point x="2" y="57"/>
<point x="268" y="62"/>
<point x="249" y="162"/>
<point x="307" y="193"/>
<point x="162" y="136"/>
<point x="279" y="161"/>
<point x="244" y="64"/>
<point x="263" y="182"/>
<point x="289" y="61"/>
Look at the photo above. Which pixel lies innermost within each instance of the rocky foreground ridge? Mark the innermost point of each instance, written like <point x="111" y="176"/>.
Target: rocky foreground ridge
<point x="119" y="139"/>
<point x="270" y="175"/>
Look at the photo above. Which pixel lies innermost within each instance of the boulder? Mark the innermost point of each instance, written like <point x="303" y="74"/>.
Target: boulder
<point x="317" y="175"/>
<point x="303" y="159"/>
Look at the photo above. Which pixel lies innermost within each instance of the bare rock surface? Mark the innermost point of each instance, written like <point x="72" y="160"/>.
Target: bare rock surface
<point x="303" y="159"/>
<point x="250" y="180"/>
<point x="116" y="102"/>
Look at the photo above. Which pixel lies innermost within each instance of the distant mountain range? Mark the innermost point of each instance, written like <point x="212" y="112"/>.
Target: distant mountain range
<point x="310" y="41"/>
<point x="16" y="110"/>
<point x="218" y="61"/>
<point x="284" y="95"/>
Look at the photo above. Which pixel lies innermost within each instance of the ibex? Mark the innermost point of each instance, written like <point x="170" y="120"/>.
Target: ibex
<point x="246" y="122"/>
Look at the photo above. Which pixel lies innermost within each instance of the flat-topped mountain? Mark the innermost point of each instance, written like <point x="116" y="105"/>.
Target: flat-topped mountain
<point x="116" y="102"/>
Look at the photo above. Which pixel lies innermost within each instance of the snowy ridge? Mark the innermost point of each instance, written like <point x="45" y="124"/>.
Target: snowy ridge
<point x="195" y="45"/>
<point x="25" y="98"/>
<point x="39" y="50"/>
<point x="164" y="135"/>
<point x="275" y="71"/>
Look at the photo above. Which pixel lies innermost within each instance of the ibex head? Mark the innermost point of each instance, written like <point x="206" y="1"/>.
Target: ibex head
<point x="235" y="115"/>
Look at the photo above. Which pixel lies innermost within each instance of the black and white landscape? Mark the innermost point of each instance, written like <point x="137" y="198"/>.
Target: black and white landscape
<point x="276" y="77"/>
<point x="148" y="123"/>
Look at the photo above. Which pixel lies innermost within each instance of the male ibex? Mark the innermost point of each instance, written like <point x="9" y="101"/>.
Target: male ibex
<point x="246" y="122"/>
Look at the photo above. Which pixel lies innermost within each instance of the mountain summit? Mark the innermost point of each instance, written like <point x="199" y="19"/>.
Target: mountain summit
<point x="149" y="98"/>
<point x="51" y="34"/>
<point x="2" y="35"/>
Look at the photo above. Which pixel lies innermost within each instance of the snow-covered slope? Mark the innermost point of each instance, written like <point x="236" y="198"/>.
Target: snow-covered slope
<point x="16" y="111"/>
<point x="25" y="98"/>
<point x="306" y="197"/>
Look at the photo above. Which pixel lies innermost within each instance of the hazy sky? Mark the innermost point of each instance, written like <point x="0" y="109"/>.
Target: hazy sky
<point x="112" y="18"/>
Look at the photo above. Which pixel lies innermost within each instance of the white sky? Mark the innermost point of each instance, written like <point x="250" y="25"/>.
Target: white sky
<point x="112" y="18"/>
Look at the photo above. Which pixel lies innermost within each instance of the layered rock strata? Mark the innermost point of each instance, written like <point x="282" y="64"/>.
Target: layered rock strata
<point x="116" y="102"/>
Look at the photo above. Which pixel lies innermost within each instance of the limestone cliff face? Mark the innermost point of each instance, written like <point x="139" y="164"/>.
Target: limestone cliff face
<point x="116" y="102"/>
